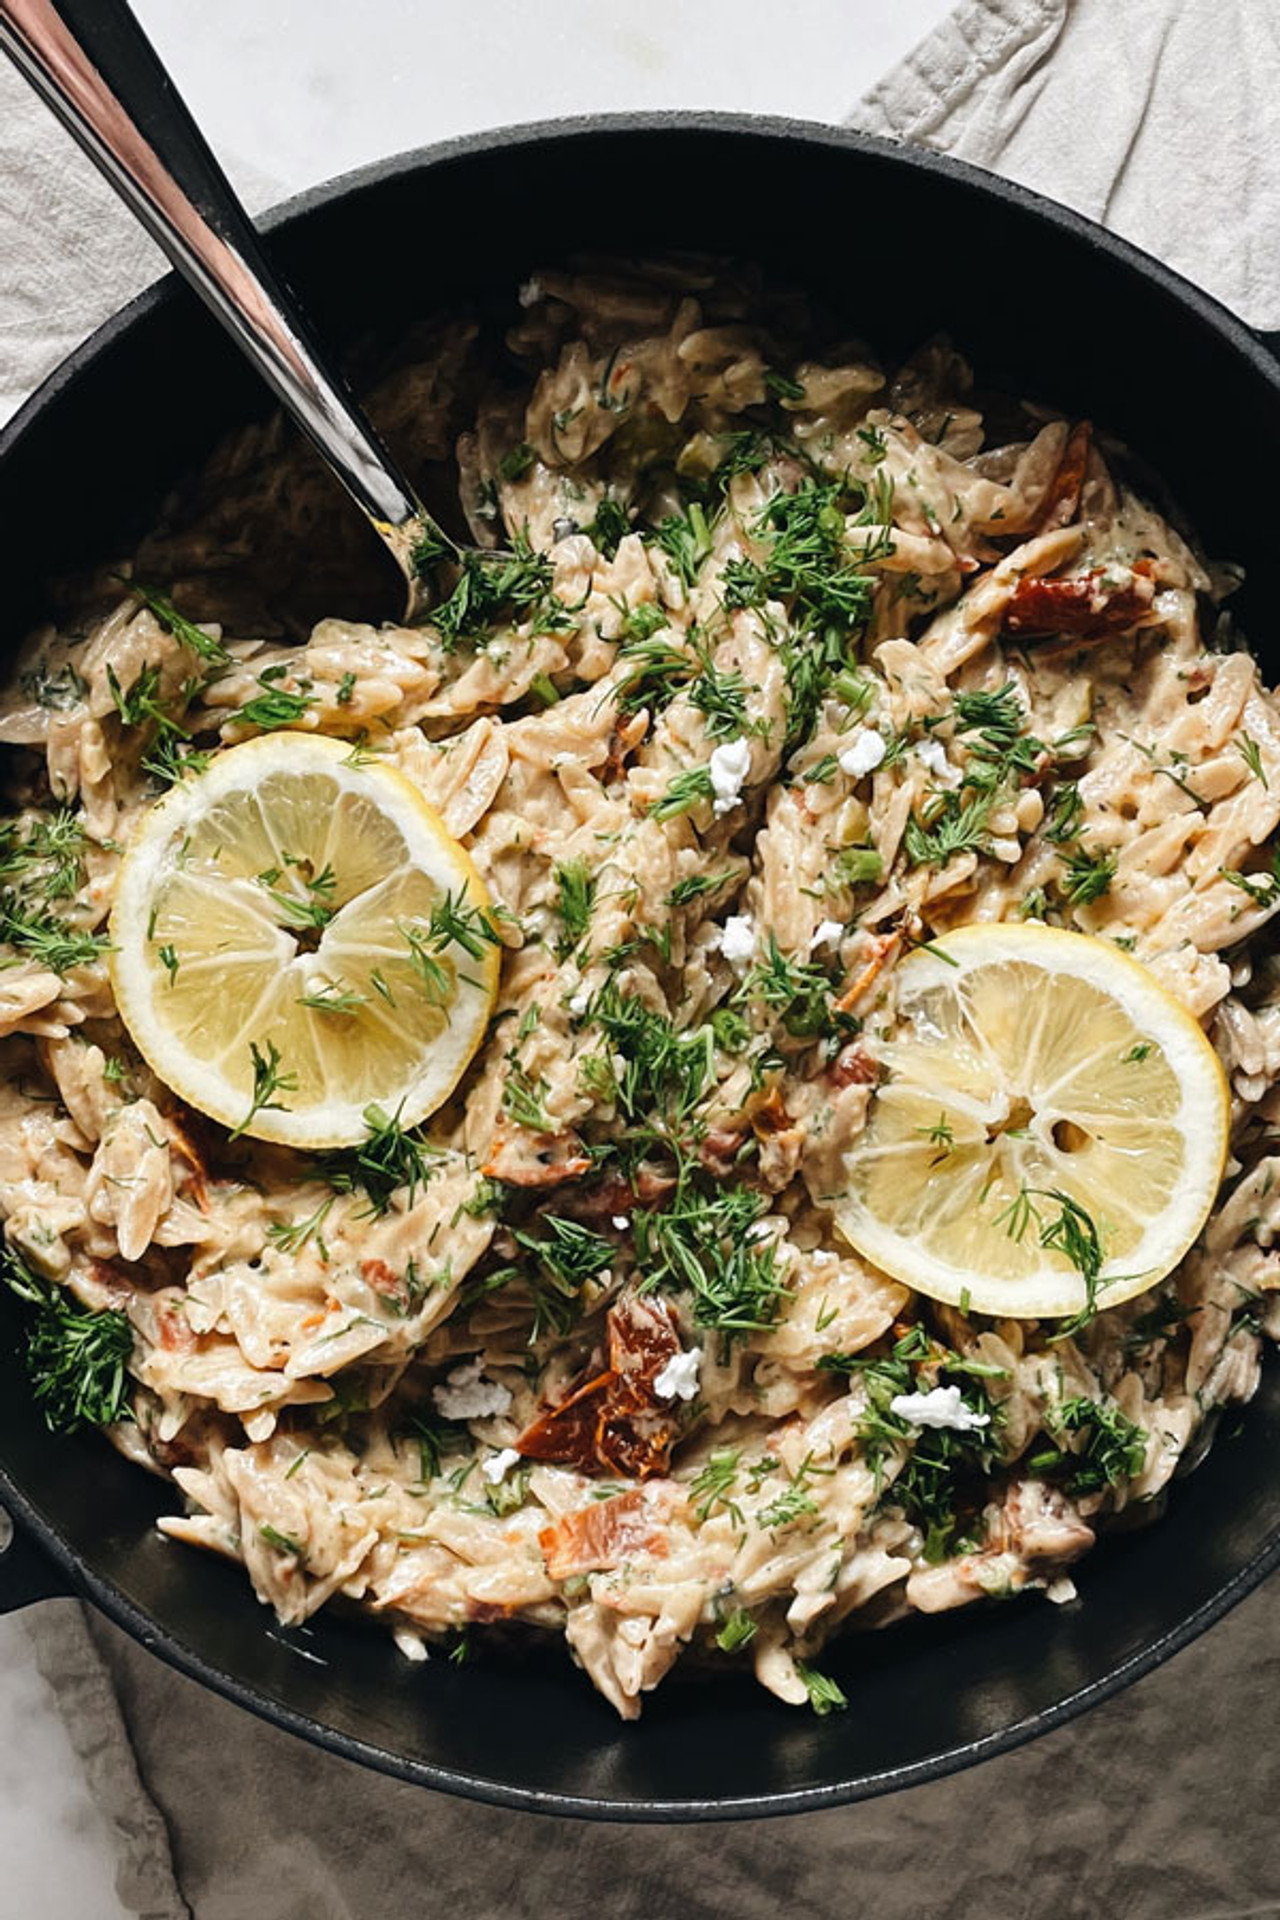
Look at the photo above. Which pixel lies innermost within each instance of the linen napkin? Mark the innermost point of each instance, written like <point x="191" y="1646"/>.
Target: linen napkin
<point x="1156" y="117"/>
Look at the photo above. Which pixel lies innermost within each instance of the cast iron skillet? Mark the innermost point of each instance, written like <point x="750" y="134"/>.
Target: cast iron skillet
<point x="903" y="243"/>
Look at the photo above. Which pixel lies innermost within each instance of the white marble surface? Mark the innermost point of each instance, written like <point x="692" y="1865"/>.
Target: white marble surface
<point x="298" y="92"/>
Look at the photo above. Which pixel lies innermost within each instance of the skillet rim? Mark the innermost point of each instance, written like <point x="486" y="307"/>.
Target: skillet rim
<point x="81" y="1580"/>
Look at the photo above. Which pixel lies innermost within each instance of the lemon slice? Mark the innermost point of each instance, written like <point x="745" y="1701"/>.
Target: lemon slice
<point x="1048" y="1117"/>
<point x="295" y="937"/>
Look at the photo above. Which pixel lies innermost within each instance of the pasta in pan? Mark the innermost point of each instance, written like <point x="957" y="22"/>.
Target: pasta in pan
<point x="791" y="668"/>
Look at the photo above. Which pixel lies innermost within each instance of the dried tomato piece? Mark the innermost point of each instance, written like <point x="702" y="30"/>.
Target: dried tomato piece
<point x="614" y="1422"/>
<point x="853" y="1067"/>
<point x="615" y="1195"/>
<point x="600" y="1536"/>
<point x="567" y="1432"/>
<point x="1086" y="606"/>
<point x="522" y="1159"/>
<point x="720" y="1149"/>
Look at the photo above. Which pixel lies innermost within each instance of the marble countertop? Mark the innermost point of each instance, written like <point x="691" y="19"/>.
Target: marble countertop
<point x="293" y="94"/>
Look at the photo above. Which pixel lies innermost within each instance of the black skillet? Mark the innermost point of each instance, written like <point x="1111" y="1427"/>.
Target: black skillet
<point x="902" y="243"/>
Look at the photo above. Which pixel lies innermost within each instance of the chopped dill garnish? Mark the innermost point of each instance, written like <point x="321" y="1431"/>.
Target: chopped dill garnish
<point x="575" y="903"/>
<point x="268" y="1084"/>
<point x="523" y="1098"/>
<point x="290" y="1236"/>
<point x="685" y="539"/>
<point x="1251" y="753"/>
<point x="739" y="1630"/>
<point x="609" y="527"/>
<point x="274" y="706"/>
<point x="75" y="1358"/>
<point x="824" y="1695"/>
<point x="684" y="791"/>
<point x="202" y="644"/>
<point x="388" y="1159"/>
<point x="1087" y="875"/>
<point x="946" y="827"/>
<point x="489" y="585"/>
<point x="1114" y="1449"/>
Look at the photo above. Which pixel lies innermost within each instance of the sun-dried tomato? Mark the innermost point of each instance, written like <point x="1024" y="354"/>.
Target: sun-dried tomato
<point x="614" y="1422"/>
<point x="600" y="1536"/>
<point x="1086" y="606"/>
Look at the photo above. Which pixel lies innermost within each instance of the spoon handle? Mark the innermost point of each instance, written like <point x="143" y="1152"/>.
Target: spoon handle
<point x="92" y="64"/>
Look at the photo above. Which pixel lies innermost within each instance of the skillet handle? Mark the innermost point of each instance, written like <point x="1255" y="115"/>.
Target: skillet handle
<point x="26" y="1574"/>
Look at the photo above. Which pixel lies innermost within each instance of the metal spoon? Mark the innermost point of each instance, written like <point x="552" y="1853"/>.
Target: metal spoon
<point x="90" y="61"/>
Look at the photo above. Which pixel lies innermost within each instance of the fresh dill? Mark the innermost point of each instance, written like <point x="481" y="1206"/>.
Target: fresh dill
<point x="739" y="1630"/>
<point x="202" y="644"/>
<point x="824" y="1695"/>
<point x="268" y="1084"/>
<point x="685" y="540"/>
<point x="947" y="826"/>
<point x="575" y="903"/>
<point x="390" y="1159"/>
<point x="685" y="790"/>
<point x="1087" y="875"/>
<point x="76" y="1358"/>
<point x="1113" y="1448"/>
<point x="524" y="1098"/>
<point x="274" y="706"/>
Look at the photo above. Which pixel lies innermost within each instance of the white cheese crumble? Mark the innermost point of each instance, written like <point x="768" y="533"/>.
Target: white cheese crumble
<point x="498" y="1465"/>
<point x="729" y="766"/>
<point x="1060" y="1591"/>
<point x="827" y="934"/>
<point x="411" y="1644"/>
<point x="933" y="755"/>
<point x="678" y="1380"/>
<point x="738" y="939"/>
<point x="530" y="293"/>
<point x="579" y="1002"/>
<point x="940" y="1407"/>
<point x="621" y="1222"/>
<point x="863" y="754"/>
<point x="465" y="1396"/>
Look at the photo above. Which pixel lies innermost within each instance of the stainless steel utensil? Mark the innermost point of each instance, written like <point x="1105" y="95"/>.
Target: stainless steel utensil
<point x="92" y="64"/>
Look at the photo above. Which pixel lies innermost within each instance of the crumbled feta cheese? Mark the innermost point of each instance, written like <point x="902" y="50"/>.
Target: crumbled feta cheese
<point x="579" y="1002"/>
<point x="863" y="753"/>
<point x="738" y="939"/>
<point x="1060" y="1590"/>
<point x="729" y="766"/>
<point x="678" y="1380"/>
<point x="940" y="1407"/>
<point x="827" y="934"/>
<point x="411" y="1644"/>
<point x="465" y="1396"/>
<point x="530" y="293"/>
<point x="621" y="1222"/>
<point x="933" y="755"/>
<point x="498" y="1465"/>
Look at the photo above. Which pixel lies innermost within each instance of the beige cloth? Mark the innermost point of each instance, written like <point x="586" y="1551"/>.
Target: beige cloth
<point x="1157" y="116"/>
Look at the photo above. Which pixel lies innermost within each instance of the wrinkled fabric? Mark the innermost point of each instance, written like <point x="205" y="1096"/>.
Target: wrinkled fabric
<point x="1156" y="1806"/>
<point x="1154" y="116"/>
<point x="72" y="254"/>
